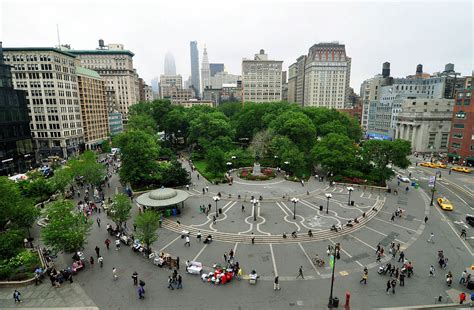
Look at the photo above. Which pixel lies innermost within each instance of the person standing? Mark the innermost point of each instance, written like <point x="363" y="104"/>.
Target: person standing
<point x="180" y="282"/>
<point x="462" y="280"/>
<point x="432" y="271"/>
<point x="107" y="243"/>
<point x="141" y="292"/>
<point x="426" y="219"/>
<point x="389" y="285"/>
<point x="276" y="285"/>
<point x="463" y="234"/>
<point x="188" y="242"/>
<point x="134" y="227"/>
<point x="97" y="251"/>
<point x="225" y="257"/>
<point x="177" y="262"/>
<point x="101" y="261"/>
<point x="98" y="221"/>
<point x="300" y="273"/>
<point x="16" y="296"/>
<point x="114" y="273"/>
<point x="198" y="236"/>
<point x="462" y="298"/>
<point x="394" y="284"/>
<point x="253" y="238"/>
<point x="243" y="208"/>
<point x="117" y="244"/>
<point x="170" y="283"/>
<point x="365" y="276"/>
<point x="214" y="219"/>
<point x="135" y="278"/>
<point x="401" y="257"/>
<point x="402" y="279"/>
<point x="91" y="260"/>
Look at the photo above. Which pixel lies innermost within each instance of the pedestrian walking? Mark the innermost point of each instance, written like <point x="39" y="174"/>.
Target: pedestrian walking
<point x="401" y="257"/>
<point x="426" y="219"/>
<point x="432" y="271"/>
<point x="117" y="244"/>
<point x="393" y="217"/>
<point x="463" y="234"/>
<point x="276" y="285"/>
<point x="389" y="285"/>
<point x="180" y="282"/>
<point x="225" y="257"/>
<point x="97" y="251"/>
<point x="175" y="275"/>
<point x="462" y="280"/>
<point x="170" y="283"/>
<point x="135" y="278"/>
<point x="187" y="187"/>
<point x="197" y="176"/>
<point x="394" y="284"/>
<point x="207" y="189"/>
<point x="365" y="276"/>
<point x="243" y="208"/>
<point x="188" y="242"/>
<point x="214" y="219"/>
<point x="98" y="221"/>
<point x="203" y="191"/>
<point x="114" y="273"/>
<point x="379" y="257"/>
<point x="91" y="260"/>
<point x="134" y="227"/>
<point x="198" y="236"/>
<point x="107" y="243"/>
<point x="101" y="261"/>
<point x="431" y="238"/>
<point x="187" y="265"/>
<point x="141" y="292"/>
<point x="300" y="273"/>
<point x="231" y="254"/>
<point x="16" y="296"/>
<point x="253" y="239"/>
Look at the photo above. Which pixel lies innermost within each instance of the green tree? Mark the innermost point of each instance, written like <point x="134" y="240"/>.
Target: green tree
<point x="230" y="108"/>
<point x="106" y="147"/>
<point x="261" y="143"/>
<point x="62" y="178"/>
<point x="290" y="158"/>
<point x="87" y="167"/>
<point x="216" y="161"/>
<point x="36" y="189"/>
<point x="11" y="242"/>
<point x="66" y="230"/>
<point x="173" y="174"/>
<point x="335" y="152"/>
<point x="143" y="122"/>
<point x="206" y="128"/>
<point x="147" y="224"/>
<point x="139" y="153"/>
<point x="158" y="109"/>
<point x="120" y="209"/>
<point x="297" y="126"/>
<point x="176" y="125"/>
<point x="382" y="153"/>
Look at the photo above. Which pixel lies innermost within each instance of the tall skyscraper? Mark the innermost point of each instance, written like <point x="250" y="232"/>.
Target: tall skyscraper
<point x="205" y="71"/>
<point x="170" y="66"/>
<point x="196" y="81"/>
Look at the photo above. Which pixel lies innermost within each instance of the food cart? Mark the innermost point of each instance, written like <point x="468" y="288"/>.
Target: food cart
<point x="195" y="267"/>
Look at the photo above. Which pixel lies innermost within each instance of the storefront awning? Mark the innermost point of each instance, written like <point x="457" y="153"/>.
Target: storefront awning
<point x="453" y="155"/>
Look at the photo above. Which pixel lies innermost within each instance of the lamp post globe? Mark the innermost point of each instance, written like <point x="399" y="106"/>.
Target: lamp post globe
<point x="254" y="202"/>
<point x="216" y="199"/>
<point x="350" y="189"/>
<point x="328" y="196"/>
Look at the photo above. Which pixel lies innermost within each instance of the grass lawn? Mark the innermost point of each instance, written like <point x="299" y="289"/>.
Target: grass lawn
<point x="201" y="166"/>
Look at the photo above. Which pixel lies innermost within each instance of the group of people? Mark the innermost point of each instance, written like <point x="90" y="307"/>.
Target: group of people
<point x="175" y="280"/>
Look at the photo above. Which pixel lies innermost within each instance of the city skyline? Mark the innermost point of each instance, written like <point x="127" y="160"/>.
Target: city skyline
<point x="403" y="45"/>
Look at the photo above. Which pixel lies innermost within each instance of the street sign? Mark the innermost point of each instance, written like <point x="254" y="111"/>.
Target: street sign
<point x="432" y="181"/>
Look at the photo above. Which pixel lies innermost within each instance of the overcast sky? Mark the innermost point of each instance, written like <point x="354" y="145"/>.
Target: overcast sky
<point x="403" y="33"/>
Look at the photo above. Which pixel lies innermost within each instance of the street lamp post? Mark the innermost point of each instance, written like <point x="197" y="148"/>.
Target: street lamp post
<point x="328" y="196"/>
<point x="287" y="163"/>
<point x="433" y="191"/>
<point x="330" y="304"/>
<point x="295" y="201"/>
<point x="274" y="162"/>
<point x="216" y="199"/>
<point x="350" y="189"/>
<point x="254" y="203"/>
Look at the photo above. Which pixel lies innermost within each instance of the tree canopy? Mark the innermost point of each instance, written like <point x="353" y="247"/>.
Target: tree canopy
<point x="147" y="225"/>
<point x="120" y="209"/>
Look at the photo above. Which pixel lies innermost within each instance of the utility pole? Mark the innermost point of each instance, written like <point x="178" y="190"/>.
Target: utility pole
<point x="433" y="190"/>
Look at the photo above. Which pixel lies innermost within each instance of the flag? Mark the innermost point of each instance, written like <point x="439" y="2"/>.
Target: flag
<point x="331" y="261"/>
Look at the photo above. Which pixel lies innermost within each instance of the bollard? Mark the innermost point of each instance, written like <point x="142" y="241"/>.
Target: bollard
<point x="348" y="298"/>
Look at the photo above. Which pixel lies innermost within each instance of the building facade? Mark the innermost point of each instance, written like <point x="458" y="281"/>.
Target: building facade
<point x="145" y="91"/>
<point x="221" y="78"/>
<point x="115" y="123"/>
<point x="171" y="86"/>
<point x="205" y="71"/>
<point x="425" y="123"/>
<point x="461" y="142"/>
<point x="115" y="65"/>
<point x="261" y="79"/>
<point x="49" y="78"/>
<point x="95" y="116"/>
<point x="192" y="102"/>
<point x="16" y="146"/>
<point x="216" y="68"/>
<point x="195" y="79"/>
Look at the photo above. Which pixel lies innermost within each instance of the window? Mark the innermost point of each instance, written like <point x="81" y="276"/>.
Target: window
<point x="460" y="114"/>
<point x="456" y="145"/>
<point x="472" y="147"/>
<point x="459" y="126"/>
<point x="444" y="139"/>
<point x="457" y="135"/>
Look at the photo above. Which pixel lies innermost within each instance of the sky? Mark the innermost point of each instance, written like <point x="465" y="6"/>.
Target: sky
<point x="404" y="33"/>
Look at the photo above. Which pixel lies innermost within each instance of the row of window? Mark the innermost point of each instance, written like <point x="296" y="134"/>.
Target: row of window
<point x="456" y="145"/>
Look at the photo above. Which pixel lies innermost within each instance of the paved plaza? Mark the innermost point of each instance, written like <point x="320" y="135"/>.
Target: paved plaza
<point x="271" y="254"/>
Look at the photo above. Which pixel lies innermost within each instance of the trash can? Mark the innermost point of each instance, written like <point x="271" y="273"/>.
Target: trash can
<point x="168" y="212"/>
<point x="174" y="212"/>
<point x="220" y="210"/>
<point x="335" y="302"/>
<point x="352" y="202"/>
<point x="320" y="208"/>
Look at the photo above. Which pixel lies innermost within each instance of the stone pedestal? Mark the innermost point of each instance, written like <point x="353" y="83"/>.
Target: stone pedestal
<point x="256" y="169"/>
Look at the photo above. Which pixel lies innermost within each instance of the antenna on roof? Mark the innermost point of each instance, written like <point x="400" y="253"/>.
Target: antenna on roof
<point x="59" y="40"/>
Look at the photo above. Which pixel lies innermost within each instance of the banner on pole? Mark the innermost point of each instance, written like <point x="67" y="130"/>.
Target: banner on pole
<point x="432" y="181"/>
<point x="331" y="261"/>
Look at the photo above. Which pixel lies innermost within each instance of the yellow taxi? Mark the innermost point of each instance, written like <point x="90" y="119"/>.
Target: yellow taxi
<point x="427" y="164"/>
<point x="445" y="204"/>
<point x="462" y="169"/>
<point x="440" y="165"/>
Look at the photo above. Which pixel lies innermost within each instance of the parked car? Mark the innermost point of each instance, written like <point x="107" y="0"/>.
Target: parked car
<point x="403" y="179"/>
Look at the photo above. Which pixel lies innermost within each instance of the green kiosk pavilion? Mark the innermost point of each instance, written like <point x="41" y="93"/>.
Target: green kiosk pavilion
<point x="163" y="200"/>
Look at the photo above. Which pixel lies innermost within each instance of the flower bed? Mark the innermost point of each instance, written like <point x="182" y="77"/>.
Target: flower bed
<point x="19" y="267"/>
<point x="267" y="174"/>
